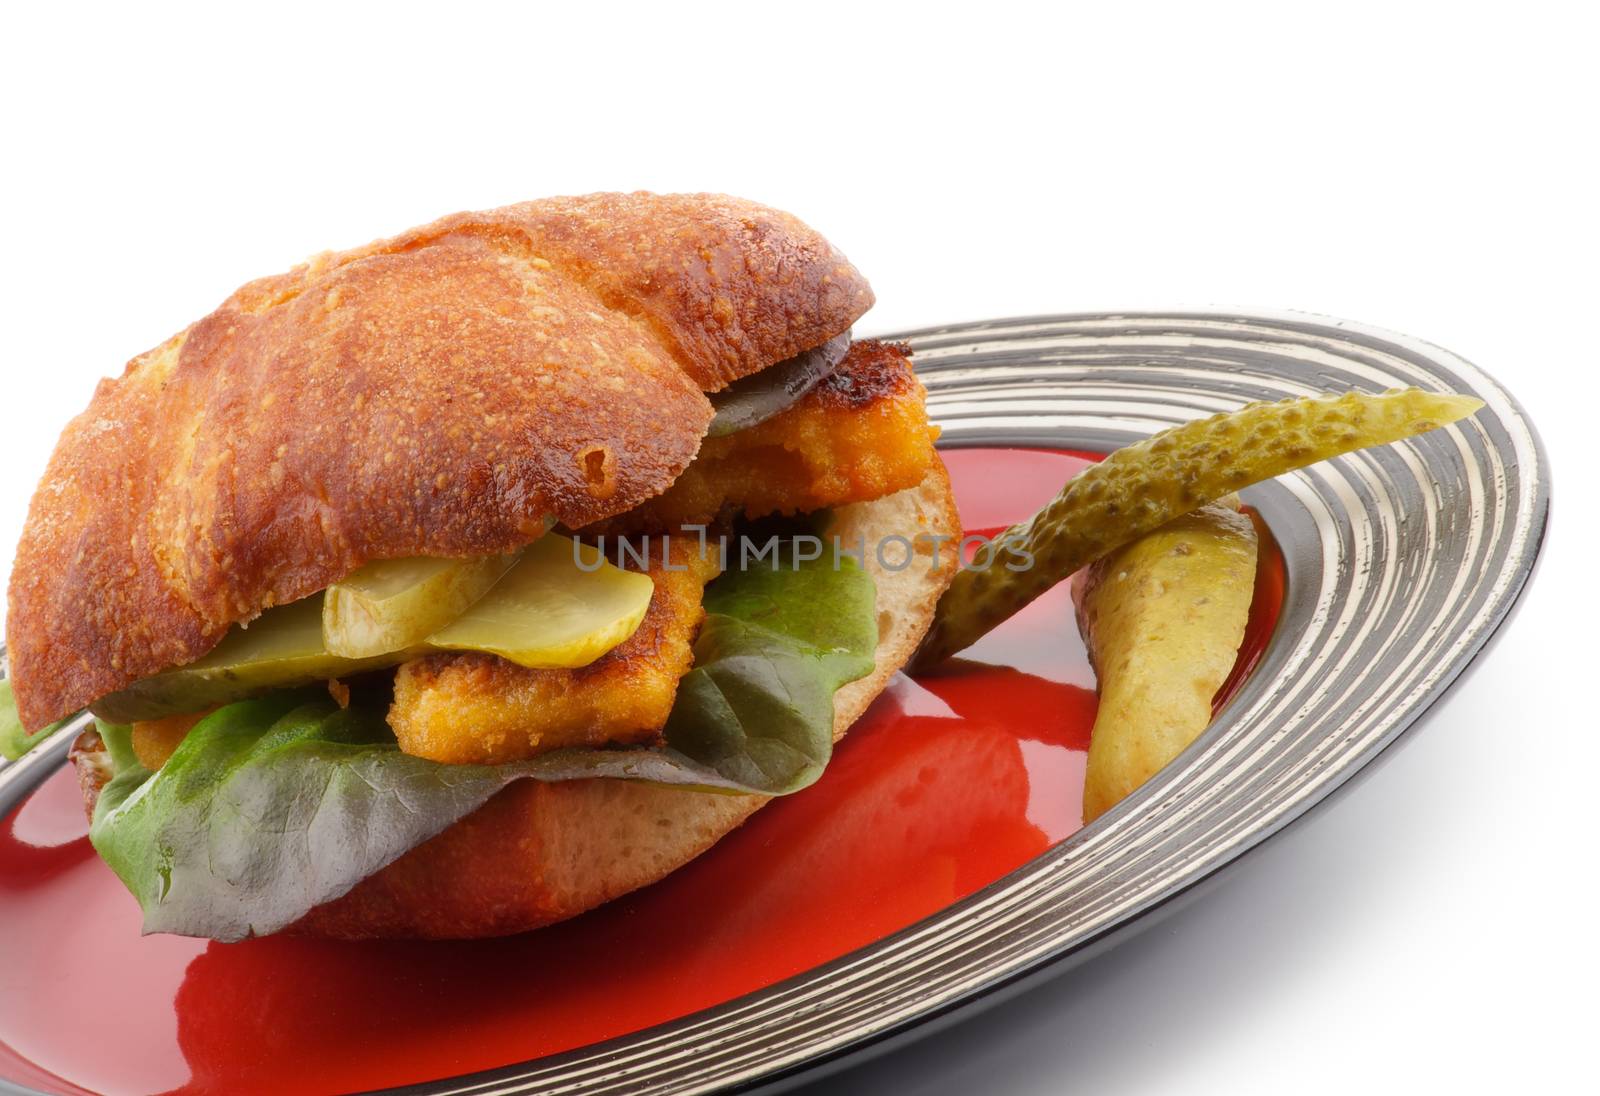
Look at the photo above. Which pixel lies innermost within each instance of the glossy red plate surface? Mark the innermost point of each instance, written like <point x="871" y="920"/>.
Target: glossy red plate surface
<point x="946" y="785"/>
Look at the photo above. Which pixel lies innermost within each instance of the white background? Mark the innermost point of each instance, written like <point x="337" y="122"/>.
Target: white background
<point x="1428" y="169"/>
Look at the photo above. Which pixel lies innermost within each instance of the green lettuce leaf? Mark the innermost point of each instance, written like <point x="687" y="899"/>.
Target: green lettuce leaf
<point x="757" y="708"/>
<point x="270" y="807"/>
<point x="14" y="740"/>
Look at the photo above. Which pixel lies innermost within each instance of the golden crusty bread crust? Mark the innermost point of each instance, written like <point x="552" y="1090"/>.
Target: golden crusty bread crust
<point x="540" y="853"/>
<point x="438" y="393"/>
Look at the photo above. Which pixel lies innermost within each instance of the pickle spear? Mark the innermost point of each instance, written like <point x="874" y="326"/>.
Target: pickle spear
<point x="1163" y="618"/>
<point x="549" y="613"/>
<point x="393" y="604"/>
<point x="1143" y="486"/>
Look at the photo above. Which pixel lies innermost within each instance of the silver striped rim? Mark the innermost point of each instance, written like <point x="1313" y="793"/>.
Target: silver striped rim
<point x="1402" y="562"/>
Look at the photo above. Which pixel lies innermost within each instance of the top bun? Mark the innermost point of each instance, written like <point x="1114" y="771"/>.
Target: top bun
<point x="439" y="393"/>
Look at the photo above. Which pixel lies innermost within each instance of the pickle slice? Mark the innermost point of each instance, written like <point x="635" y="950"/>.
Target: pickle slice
<point x="280" y="648"/>
<point x="549" y="613"/>
<point x="751" y="401"/>
<point x="393" y="604"/>
<point x="544" y="612"/>
<point x="1143" y="486"/>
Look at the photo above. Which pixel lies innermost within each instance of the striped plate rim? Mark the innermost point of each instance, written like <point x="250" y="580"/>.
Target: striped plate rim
<point x="1402" y="563"/>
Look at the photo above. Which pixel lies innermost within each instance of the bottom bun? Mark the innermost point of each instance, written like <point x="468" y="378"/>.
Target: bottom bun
<point x="542" y="852"/>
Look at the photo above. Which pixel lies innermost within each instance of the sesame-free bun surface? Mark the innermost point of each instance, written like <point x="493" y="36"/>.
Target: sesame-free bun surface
<point x="439" y="393"/>
<point x="539" y="853"/>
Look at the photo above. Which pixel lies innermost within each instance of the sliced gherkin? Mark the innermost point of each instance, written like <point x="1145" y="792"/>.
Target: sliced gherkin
<point x="392" y="604"/>
<point x="1145" y="485"/>
<point x="751" y="401"/>
<point x="280" y="648"/>
<point x="546" y="611"/>
<point x="560" y="607"/>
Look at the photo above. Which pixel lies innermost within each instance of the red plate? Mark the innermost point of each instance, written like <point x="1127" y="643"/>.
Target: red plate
<point x="945" y="786"/>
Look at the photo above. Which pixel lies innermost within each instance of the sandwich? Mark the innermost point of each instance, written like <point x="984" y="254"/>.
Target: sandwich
<point x="449" y="586"/>
<point x="453" y="585"/>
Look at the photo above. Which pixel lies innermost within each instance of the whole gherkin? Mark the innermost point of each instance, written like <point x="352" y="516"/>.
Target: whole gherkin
<point x="1145" y="485"/>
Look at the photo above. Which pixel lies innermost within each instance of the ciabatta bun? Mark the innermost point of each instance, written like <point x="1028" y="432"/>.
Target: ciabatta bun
<point x="439" y="393"/>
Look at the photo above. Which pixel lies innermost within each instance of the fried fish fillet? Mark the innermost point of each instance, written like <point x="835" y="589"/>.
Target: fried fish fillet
<point x="862" y="434"/>
<point x="475" y="708"/>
